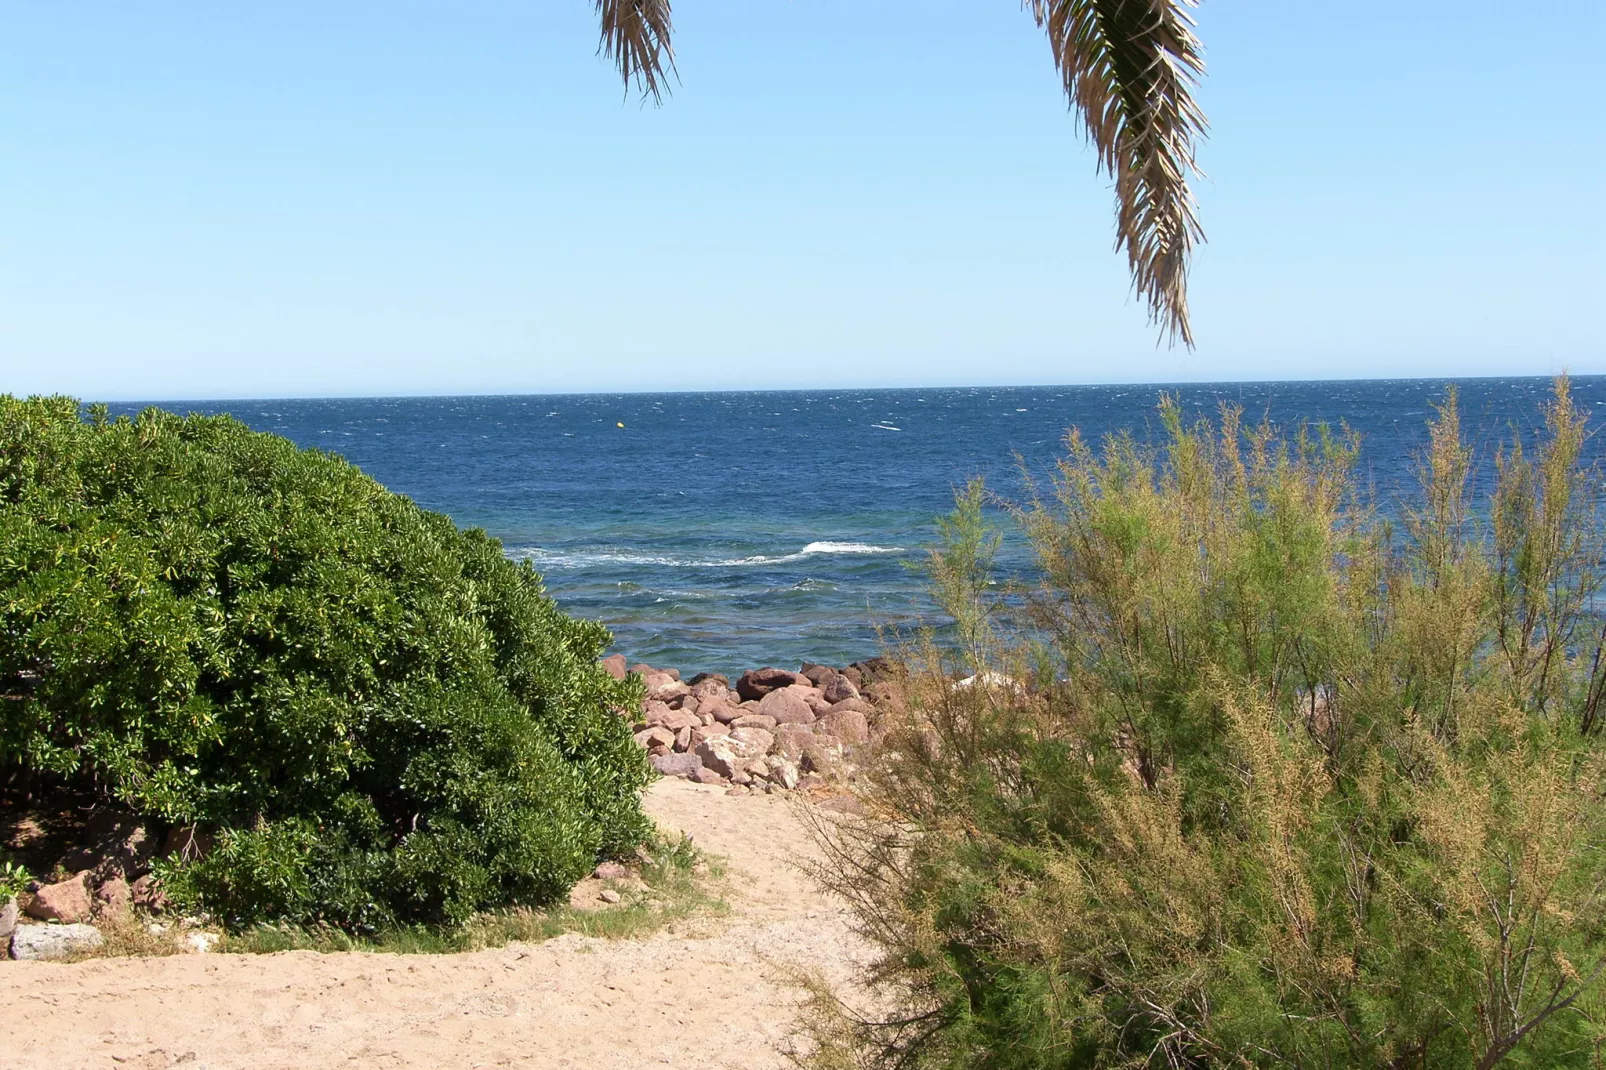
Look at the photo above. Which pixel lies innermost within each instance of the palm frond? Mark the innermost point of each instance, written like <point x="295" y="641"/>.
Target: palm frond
<point x="1130" y="67"/>
<point x="636" y="34"/>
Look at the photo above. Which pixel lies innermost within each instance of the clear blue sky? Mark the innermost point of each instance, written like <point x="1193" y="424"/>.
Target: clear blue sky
<point x="362" y="197"/>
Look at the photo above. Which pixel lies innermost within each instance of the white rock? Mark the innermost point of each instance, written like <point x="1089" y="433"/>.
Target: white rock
<point x="53" y="941"/>
<point x="201" y="943"/>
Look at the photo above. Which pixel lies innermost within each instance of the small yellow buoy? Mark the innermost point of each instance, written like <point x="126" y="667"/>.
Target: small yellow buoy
<point x="621" y="425"/>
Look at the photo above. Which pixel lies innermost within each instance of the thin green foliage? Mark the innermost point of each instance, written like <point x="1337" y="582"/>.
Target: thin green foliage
<point x="1253" y="777"/>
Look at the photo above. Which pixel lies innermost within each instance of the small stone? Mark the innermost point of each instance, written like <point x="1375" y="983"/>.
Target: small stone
<point x="113" y="897"/>
<point x="656" y="739"/>
<point x="201" y="943"/>
<point x="53" y="941"/>
<point x="147" y="893"/>
<point x="65" y="901"/>
<point x="8" y="920"/>
<point x="705" y="775"/>
<point x="722" y="712"/>
<point x="683" y="738"/>
<point x="611" y="871"/>
<point x="707" y="731"/>
<point x="753" y="720"/>
<point x="681" y="765"/>
<point x="754" y="741"/>
<point x="608" y="895"/>
<point x="756" y="683"/>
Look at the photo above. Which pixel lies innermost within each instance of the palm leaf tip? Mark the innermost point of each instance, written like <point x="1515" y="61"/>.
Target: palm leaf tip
<point x="1130" y="68"/>
<point x="636" y="35"/>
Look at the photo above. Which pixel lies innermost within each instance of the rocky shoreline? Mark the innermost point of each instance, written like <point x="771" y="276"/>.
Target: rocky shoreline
<point x="770" y="730"/>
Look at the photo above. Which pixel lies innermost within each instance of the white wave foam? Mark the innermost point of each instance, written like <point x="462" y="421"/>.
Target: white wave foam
<point x="588" y="558"/>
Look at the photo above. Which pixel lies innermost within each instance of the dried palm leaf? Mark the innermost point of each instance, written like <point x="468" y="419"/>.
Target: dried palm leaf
<point x="1129" y="68"/>
<point x="636" y="34"/>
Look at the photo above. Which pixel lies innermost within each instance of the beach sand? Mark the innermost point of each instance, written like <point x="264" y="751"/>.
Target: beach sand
<point x="712" y="993"/>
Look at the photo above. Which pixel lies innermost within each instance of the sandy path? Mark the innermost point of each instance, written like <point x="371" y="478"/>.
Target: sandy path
<point x="707" y="996"/>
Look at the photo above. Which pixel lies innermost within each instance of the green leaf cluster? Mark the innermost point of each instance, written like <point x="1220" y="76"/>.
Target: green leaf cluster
<point x="374" y="716"/>
<point x="1250" y="775"/>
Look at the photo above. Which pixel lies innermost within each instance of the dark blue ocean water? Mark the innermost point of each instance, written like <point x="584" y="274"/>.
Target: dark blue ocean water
<point x="726" y="530"/>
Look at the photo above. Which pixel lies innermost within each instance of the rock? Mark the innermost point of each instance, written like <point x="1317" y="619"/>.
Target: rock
<point x="642" y="669"/>
<point x="53" y="941"/>
<point x="852" y="704"/>
<point x="707" y="731"/>
<point x="608" y="895"/>
<point x="792" y="740"/>
<point x="611" y="871"/>
<point x="65" y="901"/>
<point x="838" y="689"/>
<point x="810" y="781"/>
<point x="654" y="712"/>
<point x="756" y="683"/>
<point x="855" y="677"/>
<point x="754" y="720"/>
<point x="675" y="720"/>
<point x="719" y="711"/>
<point x="788" y="705"/>
<point x="113" y="897"/>
<point x="821" y="757"/>
<point x="148" y="894"/>
<point x="724" y="755"/>
<point x="683" y="738"/>
<point x="754" y="741"/>
<point x="710" y="677"/>
<point x="741" y="776"/>
<point x="884" y="693"/>
<point x="8" y="921"/>
<point x="656" y="739"/>
<point x="688" y="703"/>
<point x="816" y="673"/>
<point x="841" y="804"/>
<point x="708" y="776"/>
<point x="681" y="765"/>
<point x="872" y="669"/>
<point x="664" y="689"/>
<point x="782" y="770"/>
<point x="614" y="665"/>
<point x="850" y="726"/>
<point x="201" y="943"/>
<point x="816" y="700"/>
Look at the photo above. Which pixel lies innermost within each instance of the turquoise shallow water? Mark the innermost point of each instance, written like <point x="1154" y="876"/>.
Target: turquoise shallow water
<point x="727" y="530"/>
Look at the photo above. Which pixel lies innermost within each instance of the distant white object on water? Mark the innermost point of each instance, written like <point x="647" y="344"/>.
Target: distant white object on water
<point x="886" y="427"/>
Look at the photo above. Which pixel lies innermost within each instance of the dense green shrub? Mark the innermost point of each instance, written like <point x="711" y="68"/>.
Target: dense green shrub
<point x="377" y="716"/>
<point x="1259" y="777"/>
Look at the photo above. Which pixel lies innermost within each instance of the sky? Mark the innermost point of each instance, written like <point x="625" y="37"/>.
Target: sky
<point x="202" y="200"/>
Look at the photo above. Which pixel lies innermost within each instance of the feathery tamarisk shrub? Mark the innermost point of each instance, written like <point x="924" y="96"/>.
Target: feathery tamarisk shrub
<point x="376" y="716"/>
<point x="1253" y="775"/>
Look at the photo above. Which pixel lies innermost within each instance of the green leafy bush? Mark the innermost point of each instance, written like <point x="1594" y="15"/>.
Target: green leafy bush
<point x="375" y="717"/>
<point x="1258" y="777"/>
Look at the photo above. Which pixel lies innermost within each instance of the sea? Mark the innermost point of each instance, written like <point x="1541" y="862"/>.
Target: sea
<point x="727" y="530"/>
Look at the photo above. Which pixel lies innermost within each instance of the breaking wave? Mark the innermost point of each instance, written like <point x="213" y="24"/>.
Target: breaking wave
<point x="591" y="558"/>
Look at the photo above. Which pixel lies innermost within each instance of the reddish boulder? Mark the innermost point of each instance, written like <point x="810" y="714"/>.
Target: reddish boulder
<point x="816" y="673"/>
<point x="850" y="726"/>
<point x="789" y="705"/>
<point x="683" y="738"/>
<point x="66" y="901"/>
<point x="838" y="689"/>
<point x="707" y="731"/>
<point x="754" y="720"/>
<point x="755" y="741"/>
<point x="756" y="683"/>
<point x="852" y="704"/>
<point x="147" y="894"/>
<point x="681" y="765"/>
<point x="656" y="739"/>
<point x="704" y="775"/>
<point x="113" y="897"/>
<point x="792" y="740"/>
<point x="717" y="678"/>
<point x="614" y="665"/>
<point x="719" y="711"/>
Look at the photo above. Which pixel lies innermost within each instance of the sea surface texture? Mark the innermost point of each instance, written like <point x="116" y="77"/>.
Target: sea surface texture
<point x="722" y="531"/>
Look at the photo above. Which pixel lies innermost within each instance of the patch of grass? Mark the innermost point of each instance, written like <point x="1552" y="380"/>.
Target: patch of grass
<point x="677" y="881"/>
